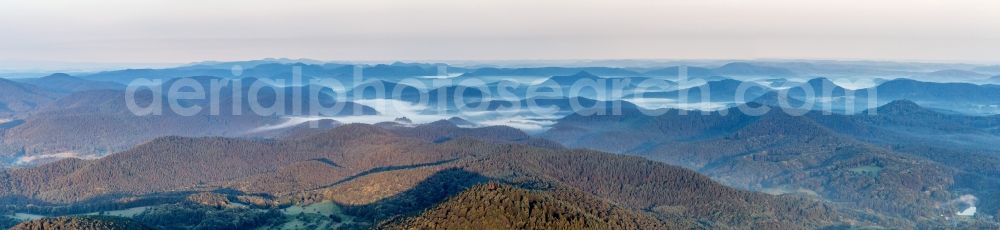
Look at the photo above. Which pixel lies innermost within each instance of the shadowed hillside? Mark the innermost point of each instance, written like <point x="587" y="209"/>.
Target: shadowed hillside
<point x="498" y="206"/>
<point x="20" y="98"/>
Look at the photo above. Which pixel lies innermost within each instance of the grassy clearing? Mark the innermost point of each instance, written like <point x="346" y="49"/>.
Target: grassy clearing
<point x="323" y="215"/>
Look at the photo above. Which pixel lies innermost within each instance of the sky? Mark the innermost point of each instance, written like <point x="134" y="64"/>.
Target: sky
<point x="181" y="31"/>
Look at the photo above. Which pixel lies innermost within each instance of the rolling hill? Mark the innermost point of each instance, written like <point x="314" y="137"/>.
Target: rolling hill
<point x="900" y="89"/>
<point x="749" y="69"/>
<point x="550" y="71"/>
<point x="64" y="83"/>
<point x="674" y="72"/>
<point x="379" y="175"/>
<point x="499" y="206"/>
<point x="780" y="153"/>
<point x="20" y="98"/>
<point x="568" y="80"/>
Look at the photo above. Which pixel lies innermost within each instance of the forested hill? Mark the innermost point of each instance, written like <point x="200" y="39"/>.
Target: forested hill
<point x="381" y="174"/>
<point x="82" y="223"/>
<point x="902" y="152"/>
<point x="499" y="206"/>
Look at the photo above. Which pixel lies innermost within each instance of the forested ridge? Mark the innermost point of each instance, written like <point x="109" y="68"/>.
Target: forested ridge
<point x="361" y="167"/>
<point x="82" y="223"/>
<point x="499" y="206"/>
<point x="20" y="98"/>
<point x="902" y="160"/>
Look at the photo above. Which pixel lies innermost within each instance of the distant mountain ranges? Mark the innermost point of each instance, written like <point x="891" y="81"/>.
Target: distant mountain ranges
<point x="731" y="69"/>
<point x="281" y="69"/>
<point x="67" y="104"/>
<point x="964" y="98"/>
<point x="959" y="97"/>
<point x="64" y="83"/>
<point x="111" y="126"/>
<point x="270" y="70"/>
<point x="956" y="73"/>
<point x="775" y="158"/>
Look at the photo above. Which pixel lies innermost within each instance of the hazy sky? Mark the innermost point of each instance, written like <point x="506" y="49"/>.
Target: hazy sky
<point x="188" y="30"/>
